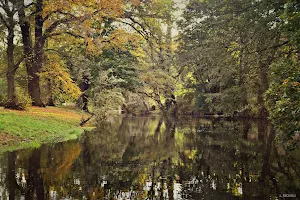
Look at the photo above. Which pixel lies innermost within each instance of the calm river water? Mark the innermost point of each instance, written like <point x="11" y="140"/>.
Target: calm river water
<point x="157" y="158"/>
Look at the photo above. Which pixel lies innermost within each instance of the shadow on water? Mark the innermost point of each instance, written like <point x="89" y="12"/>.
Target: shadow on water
<point x="156" y="158"/>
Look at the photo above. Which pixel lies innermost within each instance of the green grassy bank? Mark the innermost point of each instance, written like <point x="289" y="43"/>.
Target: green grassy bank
<point x="31" y="128"/>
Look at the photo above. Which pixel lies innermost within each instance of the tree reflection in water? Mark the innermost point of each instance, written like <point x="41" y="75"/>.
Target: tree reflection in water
<point x="156" y="158"/>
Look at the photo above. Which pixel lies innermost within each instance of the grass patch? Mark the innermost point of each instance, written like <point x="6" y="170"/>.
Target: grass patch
<point x="31" y="128"/>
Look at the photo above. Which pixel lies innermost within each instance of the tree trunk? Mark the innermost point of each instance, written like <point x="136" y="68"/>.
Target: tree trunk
<point x="242" y="73"/>
<point x="266" y="172"/>
<point x="11" y="70"/>
<point x="156" y="97"/>
<point x="12" y="98"/>
<point x="11" y="175"/>
<point x="34" y="78"/>
<point x="160" y="104"/>
<point x="32" y="67"/>
<point x="146" y="108"/>
<point x="50" y="101"/>
<point x="265" y="59"/>
<point x="34" y="180"/>
<point x="83" y="100"/>
<point x="263" y="87"/>
<point x="34" y="89"/>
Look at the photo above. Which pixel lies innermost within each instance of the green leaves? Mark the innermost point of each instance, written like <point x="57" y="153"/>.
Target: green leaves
<point x="283" y="97"/>
<point x="229" y="46"/>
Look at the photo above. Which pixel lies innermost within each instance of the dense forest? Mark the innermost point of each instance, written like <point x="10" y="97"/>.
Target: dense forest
<point x="235" y="58"/>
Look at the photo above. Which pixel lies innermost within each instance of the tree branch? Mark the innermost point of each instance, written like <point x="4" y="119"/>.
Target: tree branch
<point x="271" y="47"/>
<point x="66" y="32"/>
<point x="88" y="119"/>
<point x="138" y="31"/>
<point x="58" y="12"/>
<point x="27" y="6"/>
<point x="16" y="66"/>
<point x="3" y="20"/>
<point x="72" y="17"/>
<point x="19" y="62"/>
<point x="54" y="25"/>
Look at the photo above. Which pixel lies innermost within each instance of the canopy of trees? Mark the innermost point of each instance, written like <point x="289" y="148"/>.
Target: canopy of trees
<point x="235" y="58"/>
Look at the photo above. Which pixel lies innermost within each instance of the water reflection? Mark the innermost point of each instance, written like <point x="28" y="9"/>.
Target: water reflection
<point x="156" y="158"/>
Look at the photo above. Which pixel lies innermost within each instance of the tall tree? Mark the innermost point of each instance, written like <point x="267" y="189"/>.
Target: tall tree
<point x="7" y="12"/>
<point x="154" y="21"/>
<point x="284" y="92"/>
<point x="234" y="43"/>
<point x="53" y="18"/>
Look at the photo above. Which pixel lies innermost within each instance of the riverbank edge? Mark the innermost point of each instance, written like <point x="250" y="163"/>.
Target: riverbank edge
<point x="36" y="126"/>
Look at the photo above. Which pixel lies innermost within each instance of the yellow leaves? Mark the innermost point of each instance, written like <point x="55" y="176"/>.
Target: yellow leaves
<point x="234" y="49"/>
<point x="296" y="83"/>
<point x="285" y="82"/>
<point x="141" y="56"/>
<point x="119" y="39"/>
<point x="86" y="7"/>
<point x="138" y="52"/>
<point x="52" y="6"/>
<point x="135" y="2"/>
<point x="2" y="69"/>
<point x="81" y="16"/>
<point x="58" y="168"/>
<point x="190" y="153"/>
<point x="138" y="43"/>
<point x="62" y="84"/>
<point x="85" y="21"/>
<point x="111" y="8"/>
<point x="174" y="46"/>
<point x="181" y="91"/>
<point x="191" y="78"/>
<point x="94" y="46"/>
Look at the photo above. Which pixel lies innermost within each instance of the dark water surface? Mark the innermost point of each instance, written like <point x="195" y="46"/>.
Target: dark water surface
<point x="157" y="158"/>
